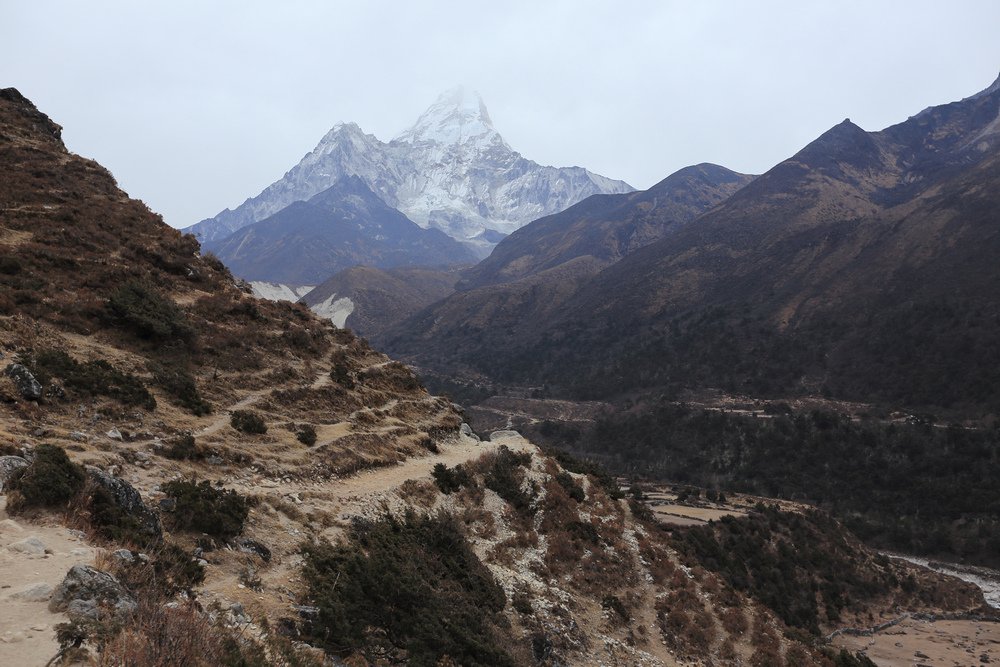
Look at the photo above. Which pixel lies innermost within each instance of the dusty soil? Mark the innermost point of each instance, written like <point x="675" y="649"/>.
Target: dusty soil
<point x="938" y="643"/>
<point x="27" y="636"/>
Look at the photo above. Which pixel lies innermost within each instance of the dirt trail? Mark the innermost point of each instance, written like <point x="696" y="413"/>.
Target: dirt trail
<point x="26" y="625"/>
<point x="341" y="499"/>
<point x="222" y="420"/>
<point x="380" y="480"/>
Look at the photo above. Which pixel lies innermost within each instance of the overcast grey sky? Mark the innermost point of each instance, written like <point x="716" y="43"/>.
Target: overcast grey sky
<point x="195" y="106"/>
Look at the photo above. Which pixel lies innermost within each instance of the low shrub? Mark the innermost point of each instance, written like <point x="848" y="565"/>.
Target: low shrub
<point x="247" y="421"/>
<point x="183" y="448"/>
<point x="179" y="384"/>
<point x="306" y="435"/>
<point x="406" y="588"/>
<point x="51" y="479"/>
<point x="505" y="479"/>
<point x="450" y="480"/>
<point x="341" y="370"/>
<point x="92" y="378"/>
<point x="204" y="509"/>
<point x="574" y="490"/>
<point x="148" y="313"/>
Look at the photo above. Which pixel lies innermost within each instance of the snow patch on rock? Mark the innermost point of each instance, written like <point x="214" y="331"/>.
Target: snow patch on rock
<point x="334" y="309"/>
<point x="279" y="292"/>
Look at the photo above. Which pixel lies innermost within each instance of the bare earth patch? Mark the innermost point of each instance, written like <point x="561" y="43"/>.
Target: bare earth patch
<point x="27" y="636"/>
<point x="933" y="643"/>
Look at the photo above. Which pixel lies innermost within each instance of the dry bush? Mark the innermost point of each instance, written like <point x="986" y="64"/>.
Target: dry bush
<point x="287" y="508"/>
<point x="157" y="636"/>
<point x="734" y="621"/>
<point x="561" y="552"/>
<point x="419" y="493"/>
<point x="659" y="565"/>
<point x="558" y="509"/>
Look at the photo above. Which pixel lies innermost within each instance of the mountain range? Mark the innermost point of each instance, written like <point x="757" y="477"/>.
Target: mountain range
<point x="452" y="170"/>
<point x="863" y="267"/>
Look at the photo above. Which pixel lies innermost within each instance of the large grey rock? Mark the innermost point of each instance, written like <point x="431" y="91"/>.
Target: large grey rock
<point x="85" y="590"/>
<point x="129" y="501"/>
<point x="39" y="592"/>
<point x="466" y="430"/>
<point x="24" y="381"/>
<point x="32" y="546"/>
<point x="8" y="466"/>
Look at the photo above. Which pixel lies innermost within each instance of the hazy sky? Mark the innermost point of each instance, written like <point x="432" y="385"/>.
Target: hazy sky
<point x="194" y="106"/>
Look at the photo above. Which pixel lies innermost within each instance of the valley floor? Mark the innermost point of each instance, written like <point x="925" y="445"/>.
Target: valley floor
<point x="932" y="643"/>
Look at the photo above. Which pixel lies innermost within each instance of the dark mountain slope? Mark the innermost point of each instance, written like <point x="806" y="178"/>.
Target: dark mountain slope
<point x="343" y="226"/>
<point x="864" y="265"/>
<point x="512" y="295"/>
<point x="607" y="227"/>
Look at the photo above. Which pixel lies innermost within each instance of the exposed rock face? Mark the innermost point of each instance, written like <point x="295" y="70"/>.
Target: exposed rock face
<point x="85" y="589"/>
<point x="26" y="383"/>
<point x="129" y="501"/>
<point x="8" y="466"/>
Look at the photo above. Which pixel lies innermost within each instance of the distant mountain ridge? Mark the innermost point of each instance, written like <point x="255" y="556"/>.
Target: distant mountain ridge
<point x="864" y="266"/>
<point x="340" y="227"/>
<point x="607" y="227"/>
<point x="451" y="171"/>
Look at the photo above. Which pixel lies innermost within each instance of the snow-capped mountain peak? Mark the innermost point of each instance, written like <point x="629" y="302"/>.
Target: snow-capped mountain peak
<point x="458" y="116"/>
<point x="451" y="170"/>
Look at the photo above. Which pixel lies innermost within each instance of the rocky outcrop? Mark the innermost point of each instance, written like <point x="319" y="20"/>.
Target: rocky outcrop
<point x="85" y="591"/>
<point x="8" y="466"/>
<point x="27" y="385"/>
<point x="129" y="501"/>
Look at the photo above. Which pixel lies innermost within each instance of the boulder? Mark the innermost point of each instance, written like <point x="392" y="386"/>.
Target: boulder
<point x="466" y="430"/>
<point x="85" y="590"/>
<point x="31" y="546"/>
<point x="129" y="501"/>
<point x="25" y="382"/>
<point x="39" y="592"/>
<point x="9" y="465"/>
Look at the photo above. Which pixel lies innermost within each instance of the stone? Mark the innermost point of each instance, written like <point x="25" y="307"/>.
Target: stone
<point x="79" y="436"/>
<point x="307" y="612"/>
<point x="248" y="546"/>
<point x="39" y="592"/>
<point x="8" y="466"/>
<point x="85" y="589"/>
<point x="125" y="556"/>
<point x="168" y="504"/>
<point x="10" y="526"/>
<point x="114" y="434"/>
<point x="466" y="430"/>
<point x="129" y="501"/>
<point x="31" y="546"/>
<point x="25" y="382"/>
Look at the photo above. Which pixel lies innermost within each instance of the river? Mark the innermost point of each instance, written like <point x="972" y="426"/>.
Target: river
<point x="986" y="579"/>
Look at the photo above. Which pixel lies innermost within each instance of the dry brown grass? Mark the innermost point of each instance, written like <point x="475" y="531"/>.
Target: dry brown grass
<point x="420" y="493"/>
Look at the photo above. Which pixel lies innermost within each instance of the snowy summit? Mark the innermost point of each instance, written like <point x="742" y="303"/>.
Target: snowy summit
<point x="451" y="170"/>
